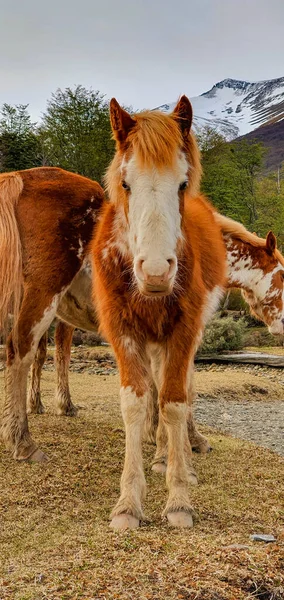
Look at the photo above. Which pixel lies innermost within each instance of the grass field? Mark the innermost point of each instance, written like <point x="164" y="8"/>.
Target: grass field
<point x="55" y="541"/>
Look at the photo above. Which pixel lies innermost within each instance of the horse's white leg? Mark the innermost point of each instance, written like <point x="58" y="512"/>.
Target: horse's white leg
<point x="134" y="393"/>
<point x="128" y="511"/>
<point x="34" y="404"/>
<point x="152" y="416"/>
<point x="155" y="429"/>
<point x="180" y="472"/>
<point x="160" y="461"/>
<point x="174" y="410"/>
<point x="63" y="342"/>
<point x="34" y="320"/>
<point x="198" y="442"/>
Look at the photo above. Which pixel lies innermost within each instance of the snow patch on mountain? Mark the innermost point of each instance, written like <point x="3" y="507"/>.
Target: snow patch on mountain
<point x="235" y="107"/>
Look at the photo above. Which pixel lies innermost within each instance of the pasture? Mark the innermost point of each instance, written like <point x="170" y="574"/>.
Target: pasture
<point x="55" y="539"/>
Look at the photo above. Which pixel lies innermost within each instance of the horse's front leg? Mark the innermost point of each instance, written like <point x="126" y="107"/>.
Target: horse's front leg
<point x="174" y="410"/>
<point x="134" y="391"/>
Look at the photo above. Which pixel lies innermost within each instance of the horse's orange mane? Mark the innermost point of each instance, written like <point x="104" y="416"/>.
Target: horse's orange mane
<point x="155" y="139"/>
<point x="239" y="232"/>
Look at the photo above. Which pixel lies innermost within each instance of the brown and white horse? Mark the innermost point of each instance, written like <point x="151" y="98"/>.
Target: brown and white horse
<point x="159" y="269"/>
<point x="254" y="265"/>
<point x="47" y="218"/>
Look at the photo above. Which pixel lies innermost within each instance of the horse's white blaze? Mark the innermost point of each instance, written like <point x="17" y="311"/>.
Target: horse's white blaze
<point x="154" y="216"/>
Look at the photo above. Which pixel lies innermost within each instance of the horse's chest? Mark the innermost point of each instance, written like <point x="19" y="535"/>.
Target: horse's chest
<point x="153" y="322"/>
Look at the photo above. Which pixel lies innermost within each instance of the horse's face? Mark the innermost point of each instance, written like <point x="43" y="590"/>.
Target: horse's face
<point x="267" y="303"/>
<point x="154" y="218"/>
<point x="152" y="194"/>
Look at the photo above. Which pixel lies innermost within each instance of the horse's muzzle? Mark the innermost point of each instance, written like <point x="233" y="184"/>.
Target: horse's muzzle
<point x="155" y="290"/>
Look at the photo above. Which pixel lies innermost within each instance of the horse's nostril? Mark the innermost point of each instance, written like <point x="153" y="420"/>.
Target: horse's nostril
<point x="172" y="265"/>
<point x="282" y="321"/>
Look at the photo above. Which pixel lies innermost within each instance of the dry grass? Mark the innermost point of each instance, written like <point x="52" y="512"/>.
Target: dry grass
<point x="55" y="542"/>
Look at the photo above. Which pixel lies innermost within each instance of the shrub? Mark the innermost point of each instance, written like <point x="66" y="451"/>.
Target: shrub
<point x="86" y="338"/>
<point x="222" y="335"/>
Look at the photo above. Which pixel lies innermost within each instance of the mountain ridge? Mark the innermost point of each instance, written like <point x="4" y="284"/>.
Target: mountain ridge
<point x="236" y="107"/>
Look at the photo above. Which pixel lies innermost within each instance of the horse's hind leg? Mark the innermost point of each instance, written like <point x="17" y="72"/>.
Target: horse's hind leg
<point x="37" y="312"/>
<point x="198" y="442"/>
<point x="155" y="431"/>
<point x="63" y="341"/>
<point x="34" y="404"/>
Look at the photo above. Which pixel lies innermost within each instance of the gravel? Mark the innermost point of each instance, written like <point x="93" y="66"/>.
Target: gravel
<point x="259" y="422"/>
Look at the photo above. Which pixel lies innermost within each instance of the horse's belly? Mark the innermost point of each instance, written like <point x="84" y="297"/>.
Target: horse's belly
<point x="76" y="307"/>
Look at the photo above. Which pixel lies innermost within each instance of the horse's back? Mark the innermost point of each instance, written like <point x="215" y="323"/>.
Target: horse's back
<point x="56" y="213"/>
<point x="54" y="186"/>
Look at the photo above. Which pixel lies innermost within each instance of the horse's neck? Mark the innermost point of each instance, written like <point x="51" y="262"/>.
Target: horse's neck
<point x="243" y="271"/>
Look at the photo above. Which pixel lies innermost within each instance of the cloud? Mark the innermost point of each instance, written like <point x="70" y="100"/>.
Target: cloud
<point x="145" y="52"/>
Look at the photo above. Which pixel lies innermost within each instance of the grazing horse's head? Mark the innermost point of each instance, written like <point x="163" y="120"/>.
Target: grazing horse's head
<point x="266" y="300"/>
<point x="156" y="164"/>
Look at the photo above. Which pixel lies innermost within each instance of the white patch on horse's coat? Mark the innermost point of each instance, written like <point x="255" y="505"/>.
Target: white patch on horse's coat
<point x="105" y="252"/>
<point x="41" y="326"/>
<point x="247" y="275"/>
<point x="119" y="234"/>
<point x="211" y="303"/>
<point x="87" y="267"/>
<point x="81" y="248"/>
<point x="243" y="273"/>
<point x="129" y="344"/>
<point x="154" y="215"/>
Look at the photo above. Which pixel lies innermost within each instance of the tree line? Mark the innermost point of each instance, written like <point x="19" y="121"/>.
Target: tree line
<point x="74" y="133"/>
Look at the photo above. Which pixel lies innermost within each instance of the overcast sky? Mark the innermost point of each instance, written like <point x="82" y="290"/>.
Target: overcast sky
<point x="144" y="52"/>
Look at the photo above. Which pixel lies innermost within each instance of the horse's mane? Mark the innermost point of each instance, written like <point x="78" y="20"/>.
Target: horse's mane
<point x="239" y="232"/>
<point x="155" y="139"/>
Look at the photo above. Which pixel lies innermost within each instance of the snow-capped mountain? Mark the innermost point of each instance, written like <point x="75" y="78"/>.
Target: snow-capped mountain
<point x="237" y="107"/>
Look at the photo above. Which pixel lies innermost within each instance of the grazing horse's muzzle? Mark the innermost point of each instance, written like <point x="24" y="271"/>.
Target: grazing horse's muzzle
<point x="277" y="327"/>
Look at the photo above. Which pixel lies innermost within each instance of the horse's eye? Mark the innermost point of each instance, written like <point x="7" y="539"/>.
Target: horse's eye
<point x="282" y="275"/>
<point x="125" y="186"/>
<point x="183" y="186"/>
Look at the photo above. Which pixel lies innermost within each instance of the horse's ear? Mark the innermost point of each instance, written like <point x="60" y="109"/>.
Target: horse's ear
<point x="271" y="243"/>
<point x="121" y="121"/>
<point x="183" y="112"/>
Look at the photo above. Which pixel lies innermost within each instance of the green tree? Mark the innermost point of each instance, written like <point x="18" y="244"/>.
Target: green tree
<point x="270" y="206"/>
<point x="230" y="173"/>
<point x="75" y="132"/>
<point x="19" y="143"/>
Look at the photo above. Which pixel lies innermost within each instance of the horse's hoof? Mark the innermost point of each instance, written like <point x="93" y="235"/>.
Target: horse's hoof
<point x="35" y="410"/>
<point x="69" y="411"/>
<point x="159" y="467"/>
<point x="180" y="518"/>
<point x="193" y="479"/>
<point x="124" y="521"/>
<point x="202" y="447"/>
<point x="37" y="456"/>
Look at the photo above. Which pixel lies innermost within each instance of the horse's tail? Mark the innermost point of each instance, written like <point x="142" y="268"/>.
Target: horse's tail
<point x="11" y="186"/>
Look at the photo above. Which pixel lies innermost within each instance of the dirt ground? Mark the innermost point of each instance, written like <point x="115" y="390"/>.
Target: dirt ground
<point x="55" y="539"/>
